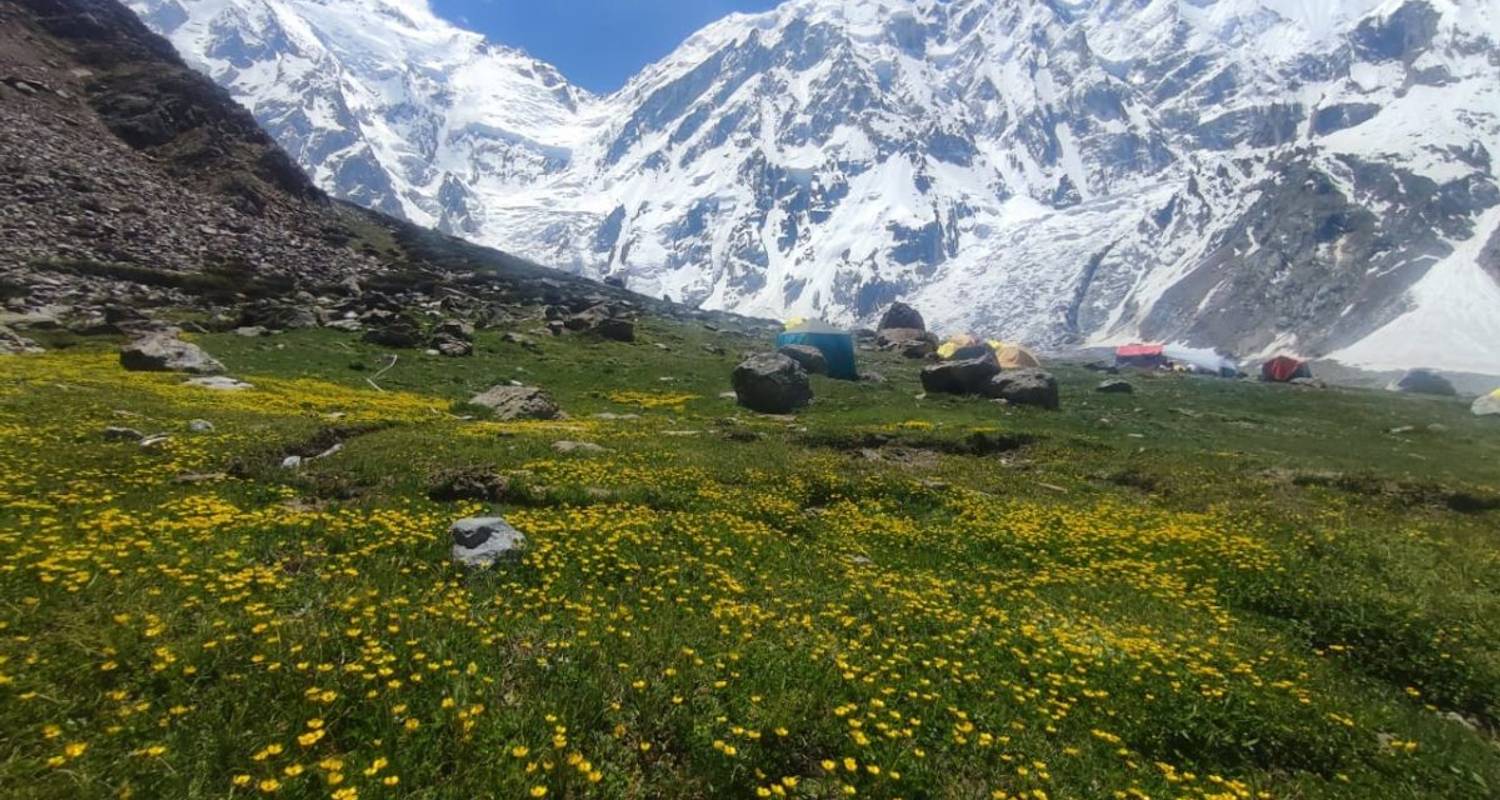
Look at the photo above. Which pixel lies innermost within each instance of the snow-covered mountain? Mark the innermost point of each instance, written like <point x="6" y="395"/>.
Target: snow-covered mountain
<point x="1313" y="175"/>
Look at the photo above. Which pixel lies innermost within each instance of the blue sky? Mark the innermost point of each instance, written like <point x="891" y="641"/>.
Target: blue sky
<point x="597" y="44"/>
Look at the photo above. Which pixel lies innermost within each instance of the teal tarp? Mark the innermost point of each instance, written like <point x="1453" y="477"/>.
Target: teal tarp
<point x="836" y="346"/>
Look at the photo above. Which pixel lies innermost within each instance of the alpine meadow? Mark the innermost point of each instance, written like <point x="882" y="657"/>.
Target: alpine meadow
<point x="1150" y="452"/>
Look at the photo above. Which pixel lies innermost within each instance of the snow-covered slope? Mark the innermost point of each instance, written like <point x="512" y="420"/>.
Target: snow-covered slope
<point x="1314" y="175"/>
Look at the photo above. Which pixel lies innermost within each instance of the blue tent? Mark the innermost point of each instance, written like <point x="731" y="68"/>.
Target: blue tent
<point x="837" y="346"/>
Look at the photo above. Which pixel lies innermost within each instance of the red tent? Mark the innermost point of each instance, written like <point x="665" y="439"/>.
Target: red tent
<point x="1282" y="369"/>
<point x="1140" y="355"/>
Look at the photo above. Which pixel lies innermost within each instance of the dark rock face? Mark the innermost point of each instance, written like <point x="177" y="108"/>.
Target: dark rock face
<point x="1423" y="381"/>
<point x="968" y="376"/>
<point x="1024" y="387"/>
<point x="517" y="402"/>
<point x="166" y="353"/>
<point x="771" y="383"/>
<point x="901" y="315"/>
<point x="811" y="358"/>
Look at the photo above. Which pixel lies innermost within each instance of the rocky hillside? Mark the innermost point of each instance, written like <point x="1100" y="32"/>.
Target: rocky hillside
<point x="1247" y="174"/>
<point x="130" y="183"/>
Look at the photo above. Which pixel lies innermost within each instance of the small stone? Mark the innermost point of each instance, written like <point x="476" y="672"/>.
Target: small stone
<point x="1115" y="387"/>
<point x="201" y="426"/>
<point x="569" y="448"/>
<point x="118" y="434"/>
<point x="219" y="383"/>
<point x="291" y="462"/>
<point x="480" y="542"/>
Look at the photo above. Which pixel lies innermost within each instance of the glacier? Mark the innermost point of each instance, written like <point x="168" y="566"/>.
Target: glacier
<point x="1313" y="176"/>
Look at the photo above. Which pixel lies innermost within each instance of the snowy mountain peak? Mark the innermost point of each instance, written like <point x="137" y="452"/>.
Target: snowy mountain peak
<point x="1247" y="174"/>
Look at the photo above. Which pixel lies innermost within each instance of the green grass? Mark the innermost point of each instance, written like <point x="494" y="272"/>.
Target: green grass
<point x="1206" y="589"/>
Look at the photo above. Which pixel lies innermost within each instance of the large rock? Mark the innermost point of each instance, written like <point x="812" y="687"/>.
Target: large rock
<point x="454" y="338"/>
<point x="617" y="329"/>
<point x="968" y="376"/>
<point x="518" y="402"/>
<point x="811" y="358"/>
<point x="604" y="321"/>
<point x="399" y="334"/>
<point x="161" y="352"/>
<point x="771" y="383"/>
<point x="479" y="542"/>
<point x="1487" y="406"/>
<point x="278" y="316"/>
<point x="910" y="342"/>
<point x="901" y="315"/>
<point x="1024" y="387"/>
<point x="1423" y="381"/>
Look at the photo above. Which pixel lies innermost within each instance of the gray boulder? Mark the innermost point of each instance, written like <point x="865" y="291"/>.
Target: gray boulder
<point x="901" y="315"/>
<point x="12" y="343"/>
<point x="479" y="542"/>
<point x="911" y="342"/>
<point x="453" y="338"/>
<point x="771" y="383"/>
<point x="811" y="358"/>
<point x="1115" y="387"/>
<point x="1024" y="387"/>
<point x="967" y="376"/>
<point x="161" y="352"/>
<point x="1423" y="381"/>
<point x="278" y="316"/>
<point x="400" y="334"/>
<point x="618" y="329"/>
<point x="517" y="402"/>
<point x="1487" y="406"/>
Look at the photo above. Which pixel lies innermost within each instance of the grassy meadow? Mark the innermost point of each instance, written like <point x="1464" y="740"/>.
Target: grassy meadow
<point x="1207" y="589"/>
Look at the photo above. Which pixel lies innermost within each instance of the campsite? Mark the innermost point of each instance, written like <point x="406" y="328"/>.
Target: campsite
<point x="1176" y="590"/>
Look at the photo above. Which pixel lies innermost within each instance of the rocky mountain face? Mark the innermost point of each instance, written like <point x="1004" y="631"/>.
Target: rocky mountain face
<point x="1246" y="174"/>
<point x="131" y="184"/>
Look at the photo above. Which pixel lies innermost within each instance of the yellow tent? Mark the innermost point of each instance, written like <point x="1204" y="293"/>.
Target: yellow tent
<point x="956" y="343"/>
<point x="1488" y="406"/>
<point x="1014" y="356"/>
<point x="1011" y="356"/>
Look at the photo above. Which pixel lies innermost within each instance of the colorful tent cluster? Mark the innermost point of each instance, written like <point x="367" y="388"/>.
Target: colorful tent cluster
<point x="836" y="345"/>
<point x="1010" y="356"/>
<point x="1284" y="369"/>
